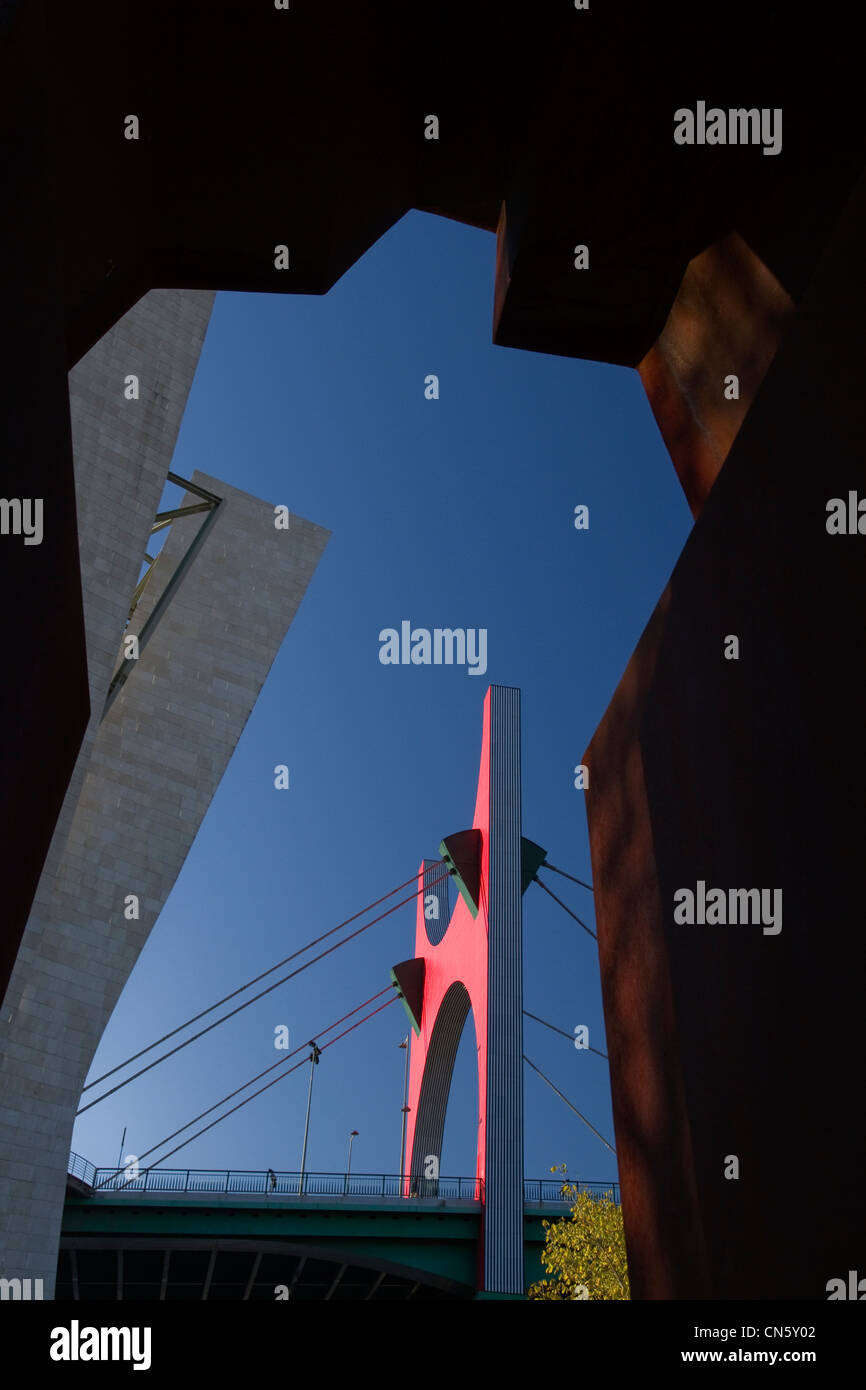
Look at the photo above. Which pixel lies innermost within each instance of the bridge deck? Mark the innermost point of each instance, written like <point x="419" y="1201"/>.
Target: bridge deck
<point x="199" y="1234"/>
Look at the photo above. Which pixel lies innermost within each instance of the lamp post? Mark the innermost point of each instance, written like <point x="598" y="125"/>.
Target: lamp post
<point x="120" y="1157"/>
<point x="352" y="1137"/>
<point x="314" y="1062"/>
<point x="405" y="1111"/>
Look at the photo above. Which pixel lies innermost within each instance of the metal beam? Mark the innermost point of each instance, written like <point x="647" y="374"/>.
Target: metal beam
<point x="124" y="670"/>
<point x="206" y="1290"/>
<point x="253" y="1272"/>
<point x="163" y="519"/>
<point x="302" y="1261"/>
<point x="193" y="487"/>
<point x="338" y="1276"/>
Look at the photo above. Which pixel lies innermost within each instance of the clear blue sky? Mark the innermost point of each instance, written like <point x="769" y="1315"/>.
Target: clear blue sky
<point x="456" y="512"/>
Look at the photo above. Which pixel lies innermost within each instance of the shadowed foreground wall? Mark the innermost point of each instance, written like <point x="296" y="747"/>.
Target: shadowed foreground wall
<point x="726" y="321"/>
<point x="42" y="627"/>
<point x="749" y="773"/>
<point x="558" y="130"/>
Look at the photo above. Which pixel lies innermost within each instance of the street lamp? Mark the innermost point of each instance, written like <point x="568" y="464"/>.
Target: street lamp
<point x="352" y="1137"/>
<point x="405" y="1111"/>
<point x="314" y="1062"/>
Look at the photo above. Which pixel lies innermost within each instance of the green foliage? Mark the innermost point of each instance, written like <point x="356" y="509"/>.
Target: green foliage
<point x="585" y="1251"/>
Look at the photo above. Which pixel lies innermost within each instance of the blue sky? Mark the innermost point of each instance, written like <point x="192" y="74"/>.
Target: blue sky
<point x="456" y="512"/>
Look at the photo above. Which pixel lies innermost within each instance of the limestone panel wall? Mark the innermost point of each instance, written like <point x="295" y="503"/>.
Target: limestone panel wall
<point x="122" y="450"/>
<point x="148" y="770"/>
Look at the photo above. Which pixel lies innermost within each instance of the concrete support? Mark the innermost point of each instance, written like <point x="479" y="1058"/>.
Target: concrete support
<point x="149" y="769"/>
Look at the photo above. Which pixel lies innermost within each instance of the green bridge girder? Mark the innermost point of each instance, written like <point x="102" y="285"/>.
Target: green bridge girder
<point x="434" y="1242"/>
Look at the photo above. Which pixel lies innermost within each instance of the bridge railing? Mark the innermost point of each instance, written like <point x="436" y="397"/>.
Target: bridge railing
<point x="249" y="1182"/>
<point x="538" y="1191"/>
<point x="81" y="1168"/>
<point x="545" y="1191"/>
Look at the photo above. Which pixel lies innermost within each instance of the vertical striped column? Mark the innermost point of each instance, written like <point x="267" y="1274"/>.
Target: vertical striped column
<point x="503" y="1229"/>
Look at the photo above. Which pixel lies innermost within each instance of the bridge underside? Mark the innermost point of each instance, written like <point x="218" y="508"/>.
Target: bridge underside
<point x="101" y="1268"/>
<point x="120" y="1251"/>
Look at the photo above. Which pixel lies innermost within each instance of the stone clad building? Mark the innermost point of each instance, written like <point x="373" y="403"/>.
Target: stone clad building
<point x="209" y="622"/>
<point x="610" y="239"/>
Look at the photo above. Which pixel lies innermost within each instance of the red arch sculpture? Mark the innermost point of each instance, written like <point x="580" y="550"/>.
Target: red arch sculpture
<point x="476" y="965"/>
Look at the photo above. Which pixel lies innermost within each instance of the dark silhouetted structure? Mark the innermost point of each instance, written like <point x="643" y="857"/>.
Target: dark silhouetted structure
<point x="305" y="127"/>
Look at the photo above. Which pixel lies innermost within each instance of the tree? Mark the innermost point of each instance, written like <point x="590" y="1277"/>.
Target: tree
<point x="585" y="1250"/>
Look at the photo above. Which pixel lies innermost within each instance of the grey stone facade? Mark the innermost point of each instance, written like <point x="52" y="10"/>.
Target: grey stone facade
<point x="148" y="770"/>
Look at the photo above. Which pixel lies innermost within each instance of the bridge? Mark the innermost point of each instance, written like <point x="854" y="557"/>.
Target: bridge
<point x="146" y="1231"/>
<point x="705" y="261"/>
<point x="201" y="1234"/>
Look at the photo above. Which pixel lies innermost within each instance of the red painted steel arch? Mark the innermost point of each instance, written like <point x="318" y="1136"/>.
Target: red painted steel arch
<point x="459" y="958"/>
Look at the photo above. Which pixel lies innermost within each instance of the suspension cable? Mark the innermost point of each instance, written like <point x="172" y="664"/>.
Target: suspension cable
<point x="569" y="1104"/>
<point x="570" y="1036"/>
<point x="281" y="1063"/>
<point x="240" y="1007"/>
<point x="309" y="946"/>
<point x="547" y="865"/>
<point x="266" y="1087"/>
<point x="565" y="909"/>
